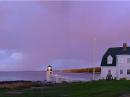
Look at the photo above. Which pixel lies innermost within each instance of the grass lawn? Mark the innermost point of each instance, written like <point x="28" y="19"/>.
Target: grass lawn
<point x="88" y="89"/>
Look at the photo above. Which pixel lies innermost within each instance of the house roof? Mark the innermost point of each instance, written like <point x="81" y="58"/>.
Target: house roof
<point x="113" y="52"/>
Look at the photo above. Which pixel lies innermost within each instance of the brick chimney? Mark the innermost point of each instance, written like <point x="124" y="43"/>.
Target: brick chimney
<point x="124" y="46"/>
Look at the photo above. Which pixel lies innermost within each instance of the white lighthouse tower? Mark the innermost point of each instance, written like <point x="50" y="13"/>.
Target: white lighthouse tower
<point x="49" y="74"/>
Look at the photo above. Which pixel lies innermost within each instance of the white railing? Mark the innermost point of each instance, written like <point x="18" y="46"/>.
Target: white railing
<point x="61" y="78"/>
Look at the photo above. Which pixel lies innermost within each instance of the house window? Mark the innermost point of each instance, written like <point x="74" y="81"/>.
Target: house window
<point x="128" y="71"/>
<point x="120" y="60"/>
<point x="109" y="59"/>
<point x="128" y="60"/>
<point x="109" y="71"/>
<point x="121" y="71"/>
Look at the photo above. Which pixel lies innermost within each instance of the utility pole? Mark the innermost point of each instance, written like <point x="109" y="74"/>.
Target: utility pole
<point x="93" y="59"/>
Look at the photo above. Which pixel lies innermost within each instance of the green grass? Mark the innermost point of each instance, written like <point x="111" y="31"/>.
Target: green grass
<point x="88" y="89"/>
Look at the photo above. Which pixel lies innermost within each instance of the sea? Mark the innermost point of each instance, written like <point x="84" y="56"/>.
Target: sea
<point x="41" y="75"/>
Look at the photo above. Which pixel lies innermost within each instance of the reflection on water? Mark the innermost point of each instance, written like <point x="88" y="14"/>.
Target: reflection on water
<point x="41" y="75"/>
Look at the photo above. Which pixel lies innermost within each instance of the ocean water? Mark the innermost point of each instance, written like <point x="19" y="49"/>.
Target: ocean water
<point x="41" y="75"/>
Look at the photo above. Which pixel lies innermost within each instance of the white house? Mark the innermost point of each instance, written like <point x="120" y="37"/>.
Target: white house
<point x="116" y="63"/>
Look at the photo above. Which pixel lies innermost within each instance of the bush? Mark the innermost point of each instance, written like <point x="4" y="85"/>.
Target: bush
<point x="123" y="78"/>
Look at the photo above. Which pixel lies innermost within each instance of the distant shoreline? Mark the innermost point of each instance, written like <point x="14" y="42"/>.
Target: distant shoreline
<point x="83" y="70"/>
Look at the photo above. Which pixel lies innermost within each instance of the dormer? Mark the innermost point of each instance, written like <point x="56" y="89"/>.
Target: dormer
<point x="109" y="59"/>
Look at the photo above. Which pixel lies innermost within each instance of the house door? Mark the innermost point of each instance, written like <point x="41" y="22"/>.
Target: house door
<point x="109" y="75"/>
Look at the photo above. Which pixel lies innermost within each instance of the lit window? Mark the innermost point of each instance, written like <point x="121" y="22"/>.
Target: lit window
<point x="109" y="59"/>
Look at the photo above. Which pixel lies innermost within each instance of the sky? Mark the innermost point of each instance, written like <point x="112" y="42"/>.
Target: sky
<point x="69" y="34"/>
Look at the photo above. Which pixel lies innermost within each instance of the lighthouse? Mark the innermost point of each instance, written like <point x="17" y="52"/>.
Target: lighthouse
<point x="49" y="74"/>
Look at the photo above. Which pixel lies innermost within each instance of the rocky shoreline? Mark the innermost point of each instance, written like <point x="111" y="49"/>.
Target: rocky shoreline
<point x="20" y="84"/>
